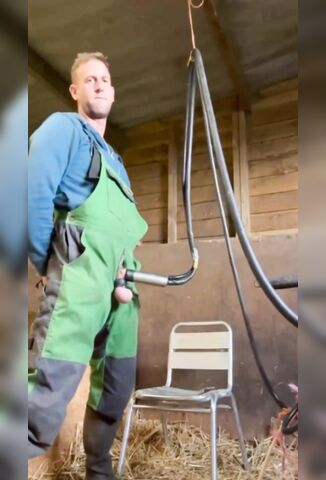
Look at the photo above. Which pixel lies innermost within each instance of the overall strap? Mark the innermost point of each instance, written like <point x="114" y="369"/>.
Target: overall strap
<point x="95" y="165"/>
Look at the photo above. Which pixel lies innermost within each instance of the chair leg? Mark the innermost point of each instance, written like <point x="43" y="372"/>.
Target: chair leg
<point x="164" y="427"/>
<point x="213" y="438"/>
<point x="240" y="432"/>
<point x="124" y="443"/>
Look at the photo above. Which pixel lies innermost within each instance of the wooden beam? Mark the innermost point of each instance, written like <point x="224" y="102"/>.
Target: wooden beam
<point x="216" y="14"/>
<point x="244" y="171"/>
<point x="172" y="185"/>
<point x="44" y="72"/>
<point x="236" y="159"/>
<point x="240" y="167"/>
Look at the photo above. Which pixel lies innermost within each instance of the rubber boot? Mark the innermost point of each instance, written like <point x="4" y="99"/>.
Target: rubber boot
<point x="98" y="435"/>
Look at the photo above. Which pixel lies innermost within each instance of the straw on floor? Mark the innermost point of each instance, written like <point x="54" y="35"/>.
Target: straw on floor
<point x="186" y="457"/>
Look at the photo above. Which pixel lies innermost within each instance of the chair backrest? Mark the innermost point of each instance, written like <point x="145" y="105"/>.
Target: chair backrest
<point x="201" y="346"/>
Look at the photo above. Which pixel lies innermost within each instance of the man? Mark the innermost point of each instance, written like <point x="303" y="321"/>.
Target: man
<point x="83" y="227"/>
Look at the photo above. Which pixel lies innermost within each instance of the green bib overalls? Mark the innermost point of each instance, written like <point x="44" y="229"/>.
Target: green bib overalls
<point x="79" y="321"/>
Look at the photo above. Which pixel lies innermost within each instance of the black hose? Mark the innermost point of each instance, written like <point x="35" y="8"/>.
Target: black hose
<point x="217" y="160"/>
<point x="186" y="179"/>
<point x="185" y="277"/>
<point x="187" y="160"/>
<point x="262" y="279"/>
<point x="290" y="423"/>
<point x="235" y="271"/>
<point x="281" y="283"/>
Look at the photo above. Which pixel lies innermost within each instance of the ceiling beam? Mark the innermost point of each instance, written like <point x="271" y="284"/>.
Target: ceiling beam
<point x="217" y="16"/>
<point x="44" y="72"/>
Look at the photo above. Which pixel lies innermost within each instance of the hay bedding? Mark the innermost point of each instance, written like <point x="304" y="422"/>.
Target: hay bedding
<point x="186" y="457"/>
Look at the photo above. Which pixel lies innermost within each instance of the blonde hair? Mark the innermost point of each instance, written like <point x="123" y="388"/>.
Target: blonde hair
<point x="85" y="57"/>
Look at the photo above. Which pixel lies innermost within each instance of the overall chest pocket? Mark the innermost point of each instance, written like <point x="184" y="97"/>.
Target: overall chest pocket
<point x="68" y="242"/>
<point x="123" y="207"/>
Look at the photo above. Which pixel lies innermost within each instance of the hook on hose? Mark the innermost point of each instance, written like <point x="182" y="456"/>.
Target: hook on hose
<point x="191" y="58"/>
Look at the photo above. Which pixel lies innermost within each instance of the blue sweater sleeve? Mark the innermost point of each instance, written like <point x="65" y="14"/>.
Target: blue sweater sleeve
<point x="52" y="146"/>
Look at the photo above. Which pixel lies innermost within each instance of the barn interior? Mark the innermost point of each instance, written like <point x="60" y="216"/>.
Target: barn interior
<point x="249" y="49"/>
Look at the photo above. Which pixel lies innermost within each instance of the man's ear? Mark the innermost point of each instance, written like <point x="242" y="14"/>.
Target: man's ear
<point x="73" y="91"/>
<point x="113" y="93"/>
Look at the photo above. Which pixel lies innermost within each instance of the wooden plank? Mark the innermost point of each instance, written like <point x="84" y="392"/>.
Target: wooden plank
<point x="201" y="178"/>
<point x="244" y="172"/>
<point x="199" y="195"/>
<point x="200" y="211"/>
<point x="276" y="113"/>
<point x="156" y="234"/>
<point x="275" y="101"/>
<point x="280" y="87"/>
<point x="273" y="184"/>
<point x="272" y="131"/>
<point x="200" y="161"/>
<point x="147" y="141"/>
<point x="202" y="228"/>
<point x="147" y="129"/>
<point x="222" y="107"/>
<point x="275" y="221"/>
<point x="273" y="233"/>
<point x="150" y="185"/>
<point x="144" y="156"/>
<point x="264" y="168"/>
<point x="218" y="17"/>
<point x="224" y="122"/>
<point x="154" y="216"/>
<point x="159" y="129"/>
<point x="274" y="149"/>
<point x="225" y="105"/>
<point x="200" y="143"/>
<point x="273" y="162"/>
<point x="225" y="135"/>
<point x="143" y="172"/>
<point x="274" y="202"/>
<point x="240" y="167"/>
<point x="236" y="159"/>
<point x="158" y="199"/>
<point x="172" y="184"/>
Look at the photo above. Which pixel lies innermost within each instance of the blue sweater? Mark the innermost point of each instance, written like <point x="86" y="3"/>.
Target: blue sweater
<point x="59" y="160"/>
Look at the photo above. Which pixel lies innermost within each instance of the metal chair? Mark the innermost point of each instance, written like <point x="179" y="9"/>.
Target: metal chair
<point x="198" y="349"/>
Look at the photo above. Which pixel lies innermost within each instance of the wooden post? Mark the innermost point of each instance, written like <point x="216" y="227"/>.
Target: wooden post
<point x="236" y="158"/>
<point x="240" y="166"/>
<point x="172" y="184"/>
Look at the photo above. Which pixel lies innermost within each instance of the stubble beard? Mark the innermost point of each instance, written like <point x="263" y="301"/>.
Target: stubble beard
<point x="98" y="112"/>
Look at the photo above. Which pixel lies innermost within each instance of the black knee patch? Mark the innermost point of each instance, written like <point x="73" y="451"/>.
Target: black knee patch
<point x="119" y="382"/>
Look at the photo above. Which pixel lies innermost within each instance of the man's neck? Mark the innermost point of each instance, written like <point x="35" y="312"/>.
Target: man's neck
<point x="98" y="123"/>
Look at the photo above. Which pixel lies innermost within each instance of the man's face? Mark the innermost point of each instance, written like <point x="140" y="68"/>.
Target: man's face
<point x="92" y="89"/>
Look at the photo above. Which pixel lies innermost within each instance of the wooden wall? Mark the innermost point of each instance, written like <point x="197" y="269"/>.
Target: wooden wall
<point x="261" y="154"/>
<point x="272" y="136"/>
<point x="146" y="158"/>
<point x="206" y="214"/>
<point x="154" y="158"/>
